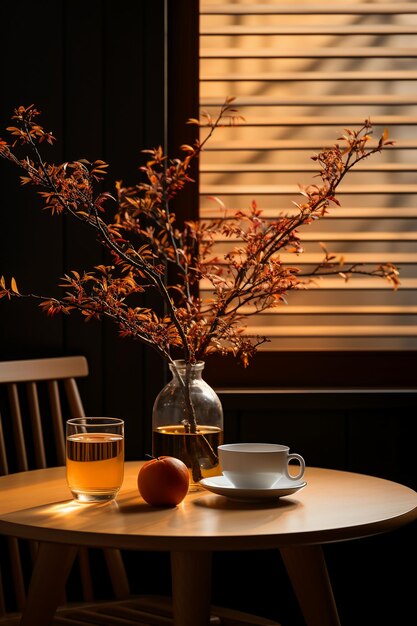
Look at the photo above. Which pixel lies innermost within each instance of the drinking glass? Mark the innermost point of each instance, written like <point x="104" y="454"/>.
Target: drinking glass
<point x="94" y="457"/>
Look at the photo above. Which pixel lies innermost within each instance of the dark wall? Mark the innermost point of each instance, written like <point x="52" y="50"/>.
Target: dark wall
<point x="370" y="432"/>
<point x="96" y="71"/>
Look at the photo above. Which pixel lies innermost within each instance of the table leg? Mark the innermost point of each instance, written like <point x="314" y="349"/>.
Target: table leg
<point x="50" y="573"/>
<point x="307" y="570"/>
<point x="191" y="588"/>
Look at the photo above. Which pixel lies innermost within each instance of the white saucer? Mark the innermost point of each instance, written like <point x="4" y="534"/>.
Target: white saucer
<point x="222" y="486"/>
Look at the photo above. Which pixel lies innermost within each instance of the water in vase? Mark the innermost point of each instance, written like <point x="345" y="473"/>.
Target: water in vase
<point x="199" y="448"/>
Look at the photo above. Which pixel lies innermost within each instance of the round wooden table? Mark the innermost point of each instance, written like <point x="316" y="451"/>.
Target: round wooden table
<point x="334" y="506"/>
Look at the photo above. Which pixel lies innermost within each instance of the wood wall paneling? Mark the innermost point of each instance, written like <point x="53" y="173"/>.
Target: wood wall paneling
<point x="31" y="242"/>
<point x="362" y="431"/>
<point x="96" y="71"/>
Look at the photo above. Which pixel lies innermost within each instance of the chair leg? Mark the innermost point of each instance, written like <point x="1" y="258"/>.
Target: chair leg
<point x="52" y="567"/>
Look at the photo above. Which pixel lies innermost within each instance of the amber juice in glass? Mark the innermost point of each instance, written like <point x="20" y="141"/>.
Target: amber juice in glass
<point x="95" y="458"/>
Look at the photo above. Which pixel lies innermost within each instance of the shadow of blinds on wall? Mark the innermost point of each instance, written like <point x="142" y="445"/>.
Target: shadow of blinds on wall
<point x="301" y="72"/>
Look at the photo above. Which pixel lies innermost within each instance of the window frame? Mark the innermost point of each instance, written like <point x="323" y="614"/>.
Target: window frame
<point x="269" y="369"/>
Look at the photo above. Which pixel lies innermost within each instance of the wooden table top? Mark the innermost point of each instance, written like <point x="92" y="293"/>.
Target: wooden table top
<point x="334" y="506"/>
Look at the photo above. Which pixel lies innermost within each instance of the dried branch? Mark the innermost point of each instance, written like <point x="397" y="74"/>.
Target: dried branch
<point x="138" y="228"/>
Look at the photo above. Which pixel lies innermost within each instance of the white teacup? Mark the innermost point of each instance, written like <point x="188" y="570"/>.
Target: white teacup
<point x="258" y="465"/>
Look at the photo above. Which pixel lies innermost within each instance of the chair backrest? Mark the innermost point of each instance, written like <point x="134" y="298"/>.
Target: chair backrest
<point x="36" y="397"/>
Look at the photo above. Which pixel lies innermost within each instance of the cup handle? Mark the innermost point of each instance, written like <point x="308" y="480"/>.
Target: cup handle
<point x="301" y="461"/>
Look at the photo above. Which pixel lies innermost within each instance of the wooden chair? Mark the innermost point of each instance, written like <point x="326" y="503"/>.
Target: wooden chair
<point x="36" y="396"/>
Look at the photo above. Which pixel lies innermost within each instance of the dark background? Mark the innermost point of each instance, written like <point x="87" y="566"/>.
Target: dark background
<point x="109" y="85"/>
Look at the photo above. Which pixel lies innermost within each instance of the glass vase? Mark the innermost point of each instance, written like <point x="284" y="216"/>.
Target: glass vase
<point x="187" y="421"/>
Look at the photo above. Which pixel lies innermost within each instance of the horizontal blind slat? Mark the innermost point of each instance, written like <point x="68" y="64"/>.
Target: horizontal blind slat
<point x="345" y="344"/>
<point x="313" y="76"/>
<point x="317" y="100"/>
<point x="305" y="52"/>
<point x="336" y="284"/>
<point x="339" y="213"/>
<point x="276" y="190"/>
<point x="294" y="8"/>
<point x="322" y="29"/>
<point x="372" y="258"/>
<point x="335" y="331"/>
<point x="309" y="235"/>
<point x="287" y="309"/>
<point x="292" y="144"/>
<point x="367" y="166"/>
<point x="316" y="121"/>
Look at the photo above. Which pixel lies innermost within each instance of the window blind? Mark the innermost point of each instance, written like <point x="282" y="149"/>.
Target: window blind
<point x="301" y="72"/>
